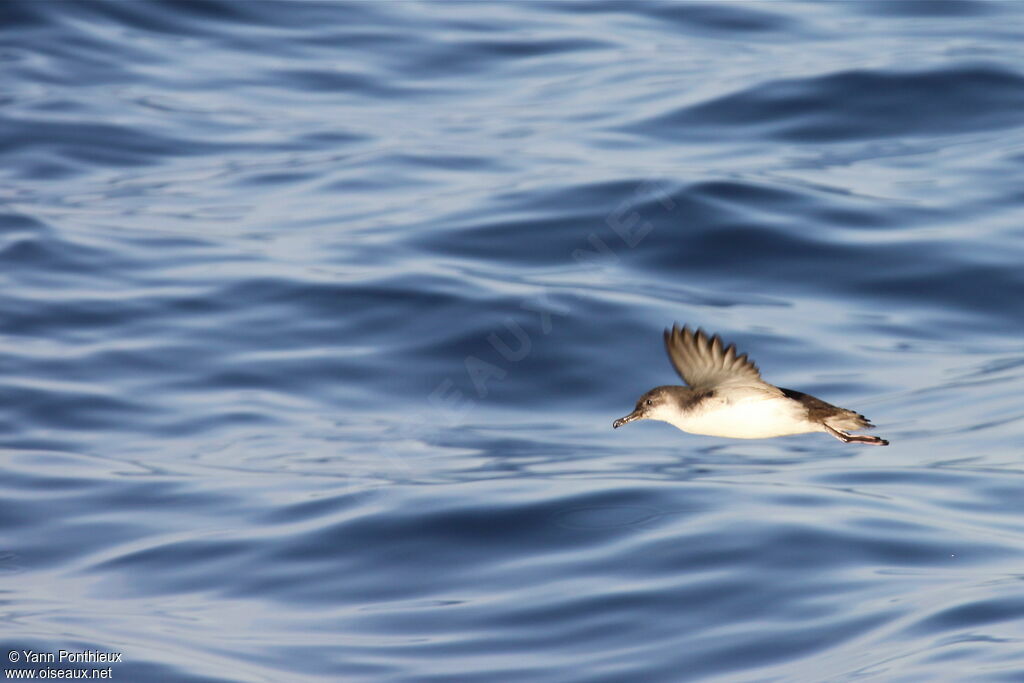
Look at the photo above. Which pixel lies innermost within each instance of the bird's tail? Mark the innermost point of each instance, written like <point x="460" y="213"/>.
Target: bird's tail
<point x="848" y="419"/>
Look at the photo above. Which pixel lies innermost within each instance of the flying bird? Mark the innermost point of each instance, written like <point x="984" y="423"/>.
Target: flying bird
<point x="725" y="396"/>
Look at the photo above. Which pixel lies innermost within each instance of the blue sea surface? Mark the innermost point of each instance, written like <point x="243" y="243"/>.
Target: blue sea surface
<point x="315" y="316"/>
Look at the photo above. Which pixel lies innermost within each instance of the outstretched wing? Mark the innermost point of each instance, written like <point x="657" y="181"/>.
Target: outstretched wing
<point x="705" y="363"/>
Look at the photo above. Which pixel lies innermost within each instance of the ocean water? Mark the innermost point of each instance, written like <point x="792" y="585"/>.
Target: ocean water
<point x="314" y="318"/>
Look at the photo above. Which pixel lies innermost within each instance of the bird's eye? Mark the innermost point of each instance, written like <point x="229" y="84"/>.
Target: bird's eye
<point x="650" y="402"/>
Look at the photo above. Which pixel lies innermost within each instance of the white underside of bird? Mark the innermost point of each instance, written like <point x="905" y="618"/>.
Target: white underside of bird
<point x="756" y="416"/>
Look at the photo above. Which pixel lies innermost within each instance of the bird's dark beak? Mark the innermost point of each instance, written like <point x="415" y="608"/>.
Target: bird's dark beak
<point x="635" y="415"/>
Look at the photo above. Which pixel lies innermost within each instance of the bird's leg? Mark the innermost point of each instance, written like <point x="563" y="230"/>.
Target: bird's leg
<point x="846" y="437"/>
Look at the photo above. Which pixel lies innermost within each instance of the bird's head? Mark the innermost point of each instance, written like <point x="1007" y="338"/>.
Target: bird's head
<point x="660" y="403"/>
